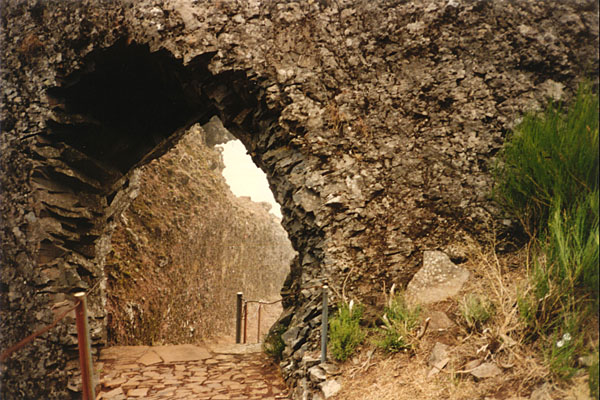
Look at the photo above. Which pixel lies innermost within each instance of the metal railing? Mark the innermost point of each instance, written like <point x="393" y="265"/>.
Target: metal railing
<point x="242" y="318"/>
<point x="83" y="341"/>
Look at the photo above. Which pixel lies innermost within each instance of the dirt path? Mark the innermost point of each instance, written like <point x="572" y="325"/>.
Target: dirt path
<point x="210" y="372"/>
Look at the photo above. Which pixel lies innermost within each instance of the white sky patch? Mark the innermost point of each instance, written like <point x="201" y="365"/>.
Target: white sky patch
<point x="244" y="177"/>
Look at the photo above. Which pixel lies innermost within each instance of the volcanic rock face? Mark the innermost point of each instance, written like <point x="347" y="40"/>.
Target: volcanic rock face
<point x="374" y="121"/>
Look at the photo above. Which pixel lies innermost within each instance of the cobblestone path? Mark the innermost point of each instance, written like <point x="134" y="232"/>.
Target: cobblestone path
<point x="188" y="372"/>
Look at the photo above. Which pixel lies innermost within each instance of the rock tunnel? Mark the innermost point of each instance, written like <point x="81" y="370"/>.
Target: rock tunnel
<point x="375" y="123"/>
<point x="123" y="108"/>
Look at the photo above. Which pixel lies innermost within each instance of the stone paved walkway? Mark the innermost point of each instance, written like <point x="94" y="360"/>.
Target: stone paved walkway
<point x="211" y="372"/>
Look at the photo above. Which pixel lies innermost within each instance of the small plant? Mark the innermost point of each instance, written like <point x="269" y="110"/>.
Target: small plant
<point x="274" y="345"/>
<point x="563" y="347"/>
<point x="400" y="322"/>
<point x="345" y="333"/>
<point x="476" y="310"/>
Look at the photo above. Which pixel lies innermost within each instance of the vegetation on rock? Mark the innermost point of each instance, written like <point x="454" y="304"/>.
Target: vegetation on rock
<point x="548" y="179"/>
<point x="274" y="344"/>
<point x="345" y="330"/>
<point x="400" y="322"/>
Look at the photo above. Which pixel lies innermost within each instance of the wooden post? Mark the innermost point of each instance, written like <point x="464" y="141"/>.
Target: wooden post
<point x="258" y="327"/>
<point x="85" y="353"/>
<point x="238" y="318"/>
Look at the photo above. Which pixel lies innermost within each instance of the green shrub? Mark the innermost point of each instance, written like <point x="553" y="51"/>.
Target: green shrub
<point x="345" y="332"/>
<point x="571" y="250"/>
<point x="476" y="310"/>
<point x="564" y="277"/>
<point x="548" y="178"/>
<point x="550" y="158"/>
<point x="274" y="344"/>
<point x="400" y="322"/>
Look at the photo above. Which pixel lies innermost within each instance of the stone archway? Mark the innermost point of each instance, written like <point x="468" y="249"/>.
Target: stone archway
<point x="374" y="121"/>
<point x="123" y="108"/>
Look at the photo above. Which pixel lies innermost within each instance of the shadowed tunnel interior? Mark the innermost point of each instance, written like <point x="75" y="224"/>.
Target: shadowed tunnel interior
<point x="126" y="102"/>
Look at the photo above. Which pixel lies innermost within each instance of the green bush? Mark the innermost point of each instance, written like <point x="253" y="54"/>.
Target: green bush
<point x="274" y="344"/>
<point x="345" y="332"/>
<point x="548" y="178"/>
<point x="550" y="159"/>
<point x="400" y="322"/>
<point x="476" y="310"/>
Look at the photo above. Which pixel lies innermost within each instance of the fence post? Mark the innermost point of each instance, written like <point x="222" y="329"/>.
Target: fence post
<point x="238" y="318"/>
<point x="324" y="323"/>
<point x="258" y="327"/>
<point x="85" y="354"/>
<point x="245" y="321"/>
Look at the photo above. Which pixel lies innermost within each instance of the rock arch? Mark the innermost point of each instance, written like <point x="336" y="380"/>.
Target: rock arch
<point x="124" y="107"/>
<point x="374" y="121"/>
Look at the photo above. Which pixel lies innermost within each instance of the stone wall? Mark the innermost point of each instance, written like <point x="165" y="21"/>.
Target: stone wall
<point x="374" y="121"/>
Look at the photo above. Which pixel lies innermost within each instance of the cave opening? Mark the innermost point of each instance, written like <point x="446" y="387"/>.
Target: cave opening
<point x="126" y="107"/>
<point x="125" y="102"/>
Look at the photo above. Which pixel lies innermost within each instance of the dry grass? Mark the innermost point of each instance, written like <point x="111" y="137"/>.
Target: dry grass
<point x="500" y="340"/>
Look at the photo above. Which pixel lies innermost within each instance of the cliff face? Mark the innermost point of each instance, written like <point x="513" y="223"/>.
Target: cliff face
<point x="185" y="247"/>
<point x="375" y="123"/>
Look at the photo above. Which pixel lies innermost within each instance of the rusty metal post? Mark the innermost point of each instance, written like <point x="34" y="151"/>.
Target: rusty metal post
<point x="238" y="318"/>
<point x="324" y="323"/>
<point x="245" y="321"/>
<point x="85" y="353"/>
<point x="258" y="327"/>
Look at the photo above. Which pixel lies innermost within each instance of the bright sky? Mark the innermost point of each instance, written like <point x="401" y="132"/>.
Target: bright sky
<point x="244" y="177"/>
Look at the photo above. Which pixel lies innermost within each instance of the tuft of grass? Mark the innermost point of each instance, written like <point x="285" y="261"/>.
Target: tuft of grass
<point x="550" y="157"/>
<point x="548" y="178"/>
<point x="566" y="271"/>
<point x="345" y="332"/>
<point x="274" y="345"/>
<point x="400" y="323"/>
<point x="476" y="310"/>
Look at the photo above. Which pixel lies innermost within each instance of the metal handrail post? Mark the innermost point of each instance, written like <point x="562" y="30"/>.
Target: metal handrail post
<point x="245" y="321"/>
<point x="238" y="318"/>
<point x="324" y="323"/>
<point x="85" y="353"/>
<point x="258" y="325"/>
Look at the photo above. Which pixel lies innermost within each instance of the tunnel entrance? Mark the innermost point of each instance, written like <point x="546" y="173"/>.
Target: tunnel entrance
<point x="124" y="108"/>
<point x="186" y="246"/>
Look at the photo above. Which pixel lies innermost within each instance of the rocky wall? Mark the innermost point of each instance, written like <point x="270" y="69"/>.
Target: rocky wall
<point x="374" y="121"/>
